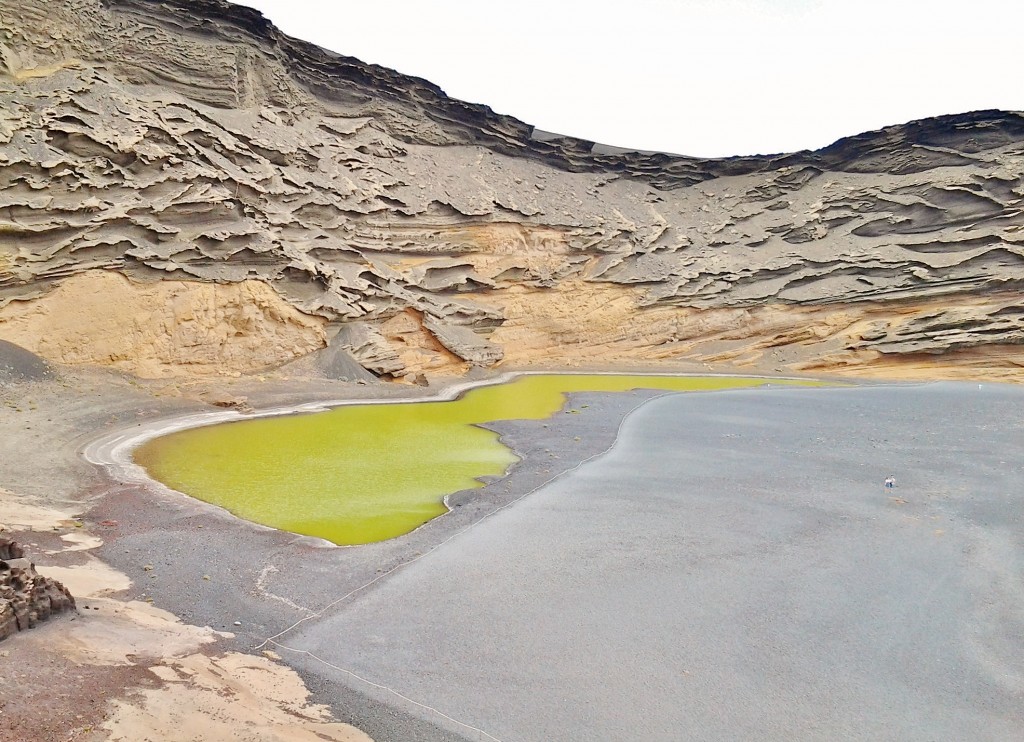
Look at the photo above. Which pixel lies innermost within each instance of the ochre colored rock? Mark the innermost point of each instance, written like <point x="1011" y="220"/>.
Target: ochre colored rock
<point x="161" y="328"/>
<point x="184" y="190"/>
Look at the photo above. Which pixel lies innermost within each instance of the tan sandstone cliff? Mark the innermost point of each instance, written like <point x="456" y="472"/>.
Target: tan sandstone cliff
<point x="185" y="190"/>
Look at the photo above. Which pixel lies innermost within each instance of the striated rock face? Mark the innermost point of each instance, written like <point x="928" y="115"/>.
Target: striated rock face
<point x="25" y="597"/>
<point x="100" y="317"/>
<point x="287" y="199"/>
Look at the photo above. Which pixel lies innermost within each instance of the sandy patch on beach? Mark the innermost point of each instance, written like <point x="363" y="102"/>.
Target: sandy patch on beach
<point x="113" y="632"/>
<point x="22" y="513"/>
<point x="119" y="668"/>
<point x="142" y="668"/>
<point x="94" y="578"/>
<point x="80" y="542"/>
<point x="128" y="671"/>
<point x="236" y="696"/>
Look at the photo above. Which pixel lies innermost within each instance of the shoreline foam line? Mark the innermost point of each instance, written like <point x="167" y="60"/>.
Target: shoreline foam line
<point x="113" y="450"/>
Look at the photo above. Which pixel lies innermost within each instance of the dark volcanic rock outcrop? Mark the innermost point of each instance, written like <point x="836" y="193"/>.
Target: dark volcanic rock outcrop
<point x="265" y="198"/>
<point x="26" y="598"/>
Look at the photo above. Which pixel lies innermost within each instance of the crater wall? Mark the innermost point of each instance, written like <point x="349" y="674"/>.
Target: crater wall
<point x="300" y="199"/>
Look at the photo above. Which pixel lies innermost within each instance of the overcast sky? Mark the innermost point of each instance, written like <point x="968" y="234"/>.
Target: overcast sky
<point x="695" y="77"/>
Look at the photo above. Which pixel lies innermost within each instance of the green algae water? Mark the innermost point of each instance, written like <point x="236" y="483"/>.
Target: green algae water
<point x="369" y="472"/>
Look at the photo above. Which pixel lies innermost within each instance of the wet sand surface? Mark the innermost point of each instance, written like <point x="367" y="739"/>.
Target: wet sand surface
<point x="733" y="568"/>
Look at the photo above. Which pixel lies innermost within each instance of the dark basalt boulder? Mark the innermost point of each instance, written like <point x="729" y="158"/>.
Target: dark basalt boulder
<point x="26" y="597"/>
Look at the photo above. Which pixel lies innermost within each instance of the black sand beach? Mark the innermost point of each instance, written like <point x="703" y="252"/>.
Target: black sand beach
<point x="733" y="567"/>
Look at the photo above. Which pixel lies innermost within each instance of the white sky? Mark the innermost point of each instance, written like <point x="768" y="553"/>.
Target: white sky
<point x="695" y="77"/>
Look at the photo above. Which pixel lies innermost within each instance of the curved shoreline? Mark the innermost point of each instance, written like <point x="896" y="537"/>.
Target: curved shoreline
<point x="113" y="451"/>
<point x="269" y="579"/>
<point x="846" y="509"/>
<point x="554" y="478"/>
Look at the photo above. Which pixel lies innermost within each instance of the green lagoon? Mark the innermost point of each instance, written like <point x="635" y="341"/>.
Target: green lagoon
<point x="361" y="473"/>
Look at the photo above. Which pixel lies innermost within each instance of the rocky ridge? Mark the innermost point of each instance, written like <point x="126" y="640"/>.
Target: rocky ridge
<point x="185" y="190"/>
<point x="26" y="598"/>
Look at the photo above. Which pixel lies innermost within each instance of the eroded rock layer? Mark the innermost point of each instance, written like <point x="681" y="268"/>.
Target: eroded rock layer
<point x="294" y="198"/>
<point x="26" y="598"/>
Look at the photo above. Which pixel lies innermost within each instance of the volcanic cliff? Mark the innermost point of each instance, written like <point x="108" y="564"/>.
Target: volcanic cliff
<point x="185" y="190"/>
